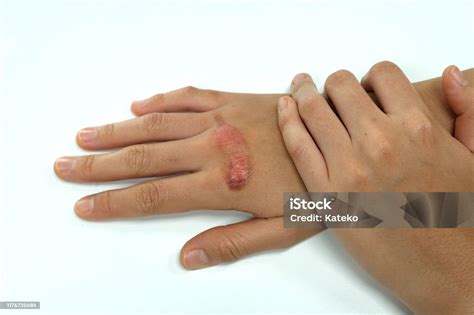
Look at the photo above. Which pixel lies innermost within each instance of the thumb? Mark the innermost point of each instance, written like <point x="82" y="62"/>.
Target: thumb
<point x="460" y="98"/>
<point x="232" y="242"/>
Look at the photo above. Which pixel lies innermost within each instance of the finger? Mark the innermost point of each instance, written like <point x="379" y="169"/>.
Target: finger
<point x="185" y="99"/>
<point x="352" y="102"/>
<point x="150" y="127"/>
<point x="232" y="242"/>
<point x="393" y="89"/>
<point x="460" y="98"/>
<point x="143" y="160"/>
<point x="168" y="195"/>
<point x="303" y="151"/>
<point x="323" y="124"/>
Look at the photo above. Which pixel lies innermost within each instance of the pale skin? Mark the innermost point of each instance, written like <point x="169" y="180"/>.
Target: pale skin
<point x="431" y="271"/>
<point x="186" y="119"/>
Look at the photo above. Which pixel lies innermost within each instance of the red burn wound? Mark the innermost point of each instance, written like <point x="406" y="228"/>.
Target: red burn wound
<point x="230" y="141"/>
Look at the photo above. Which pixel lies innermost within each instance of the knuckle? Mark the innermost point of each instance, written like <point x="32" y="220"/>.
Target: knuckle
<point x="423" y="130"/>
<point x="213" y="95"/>
<point x="284" y="121"/>
<point x="216" y="98"/>
<point x="107" y="131"/>
<point x="159" y="97"/>
<point x="360" y="177"/>
<point x="383" y="67"/>
<point x="190" y="90"/>
<point x="231" y="247"/>
<point x="104" y="201"/>
<point x="299" y="80"/>
<point x="215" y="118"/>
<point x="383" y="149"/>
<point x="300" y="77"/>
<point x="88" y="163"/>
<point x="360" y="180"/>
<point x="298" y="153"/>
<point x="307" y="104"/>
<point x="337" y="78"/>
<point x="153" y="122"/>
<point x="136" y="158"/>
<point x="150" y="198"/>
<point x="218" y="183"/>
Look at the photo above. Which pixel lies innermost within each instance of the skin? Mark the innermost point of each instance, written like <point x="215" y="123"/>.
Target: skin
<point x="366" y="147"/>
<point x="173" y="134"/>
<point x="460" y="97"/>
<point x="231" y="142"/>
<point x="192" y="146"/>
<point x="397" y="145"/>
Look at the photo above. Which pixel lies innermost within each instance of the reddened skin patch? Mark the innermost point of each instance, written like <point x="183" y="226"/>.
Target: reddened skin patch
<point x="231" y="143"/>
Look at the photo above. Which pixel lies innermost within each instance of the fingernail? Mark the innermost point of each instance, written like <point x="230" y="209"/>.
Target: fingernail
<point x="299" y="77"/>
<point x="85" y="205"/>
<point x="196" y="259"/>
<point x="88" y="134"/>
<point x="459" y="76"/>
<point x="282" y="104"/>
<point x="65" y="164"/>
<point x="140" y="104"/>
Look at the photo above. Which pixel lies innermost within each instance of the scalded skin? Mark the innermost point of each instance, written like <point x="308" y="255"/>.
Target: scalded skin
<point x="266" y="158"/>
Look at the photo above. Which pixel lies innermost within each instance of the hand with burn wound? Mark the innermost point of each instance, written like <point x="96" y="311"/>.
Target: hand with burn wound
<point x="190" y="132"/>
<point x="228" y="152"/>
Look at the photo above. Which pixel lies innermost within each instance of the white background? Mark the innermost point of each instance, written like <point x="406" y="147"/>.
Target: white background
<point x="65" y="65"/>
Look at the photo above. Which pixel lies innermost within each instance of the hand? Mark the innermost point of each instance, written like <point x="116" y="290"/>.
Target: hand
<point x="231" y="153"/>
<point x="398" y="146"/>
<point x="224" y="243"/>
<point x="430" y="270"/>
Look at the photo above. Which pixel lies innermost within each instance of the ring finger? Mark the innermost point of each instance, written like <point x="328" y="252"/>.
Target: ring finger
<point x="142" y="160"/>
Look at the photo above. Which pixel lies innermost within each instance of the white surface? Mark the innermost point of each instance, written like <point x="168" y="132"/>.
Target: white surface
<point x="66" y="65"/>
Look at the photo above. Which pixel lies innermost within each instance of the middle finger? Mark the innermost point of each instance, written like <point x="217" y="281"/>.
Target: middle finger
<point x="353" y="104"/>
<point x="142" y="160"/>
